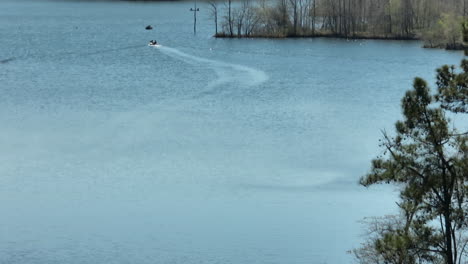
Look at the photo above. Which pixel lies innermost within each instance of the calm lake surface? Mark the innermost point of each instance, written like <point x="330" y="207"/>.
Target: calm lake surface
<point x="202" y="151"/>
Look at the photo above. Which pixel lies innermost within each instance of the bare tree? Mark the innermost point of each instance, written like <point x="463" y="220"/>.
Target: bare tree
<point x="230" y="21"/>
<point x="214" y="13"/>
<point x="342" y="18"/>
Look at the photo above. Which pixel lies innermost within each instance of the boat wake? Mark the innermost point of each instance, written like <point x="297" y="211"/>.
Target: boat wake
<point x="68" y="54"/>
<point x="226" y="72"/>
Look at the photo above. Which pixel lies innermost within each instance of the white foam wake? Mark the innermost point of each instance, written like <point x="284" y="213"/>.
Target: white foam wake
<point x="225" y="72"/>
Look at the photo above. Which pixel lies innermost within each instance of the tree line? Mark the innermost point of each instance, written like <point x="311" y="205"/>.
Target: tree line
<point x="437" y="21"/>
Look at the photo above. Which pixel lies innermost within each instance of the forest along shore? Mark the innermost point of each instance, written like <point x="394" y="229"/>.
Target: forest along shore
<point x="439" y="23"/>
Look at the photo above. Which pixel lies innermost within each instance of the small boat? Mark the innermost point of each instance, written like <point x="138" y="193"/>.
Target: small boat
<point x="148" y="27"/>
<point x="154" y="43"/>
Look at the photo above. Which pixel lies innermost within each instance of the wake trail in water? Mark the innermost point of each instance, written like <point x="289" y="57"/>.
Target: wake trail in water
<point x="62" y="55"/>
<point x="226" y="72"/>
<point x="108" y="50"/>
<point x="95" y="52"/>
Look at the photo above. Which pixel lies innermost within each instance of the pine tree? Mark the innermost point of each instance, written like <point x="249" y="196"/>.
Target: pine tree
<point x="428" y="159"/>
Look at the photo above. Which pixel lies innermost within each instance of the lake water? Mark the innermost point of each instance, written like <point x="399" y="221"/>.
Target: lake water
<point x="202" y="151"/>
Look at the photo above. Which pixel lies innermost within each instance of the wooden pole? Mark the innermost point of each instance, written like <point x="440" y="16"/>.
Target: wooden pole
<point x="195" y="10"/>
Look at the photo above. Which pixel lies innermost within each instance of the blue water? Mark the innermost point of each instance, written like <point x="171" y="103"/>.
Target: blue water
<point x="202" y="151"/>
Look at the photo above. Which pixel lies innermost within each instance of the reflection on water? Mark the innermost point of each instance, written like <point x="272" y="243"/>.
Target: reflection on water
<point x="201" y="151"/>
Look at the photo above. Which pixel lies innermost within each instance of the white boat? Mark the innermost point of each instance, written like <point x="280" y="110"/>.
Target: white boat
<point x="154" y="44"/>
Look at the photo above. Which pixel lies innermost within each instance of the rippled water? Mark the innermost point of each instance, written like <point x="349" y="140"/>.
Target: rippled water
<point x="201" y="151"/>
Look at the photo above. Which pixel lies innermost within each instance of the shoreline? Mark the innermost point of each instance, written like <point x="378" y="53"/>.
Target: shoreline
<point x="316" y="35"/>
<point x="457" y="47"/>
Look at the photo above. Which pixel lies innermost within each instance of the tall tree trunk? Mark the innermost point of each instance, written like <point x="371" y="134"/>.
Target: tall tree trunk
<point x="313" y="19"/>
<point x="448" y="236"/>
<point x="447" y="198"/>
<point x="230" y="19"/>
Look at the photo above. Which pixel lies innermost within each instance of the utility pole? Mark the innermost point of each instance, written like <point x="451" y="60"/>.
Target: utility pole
<point x="195" y="10"/>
